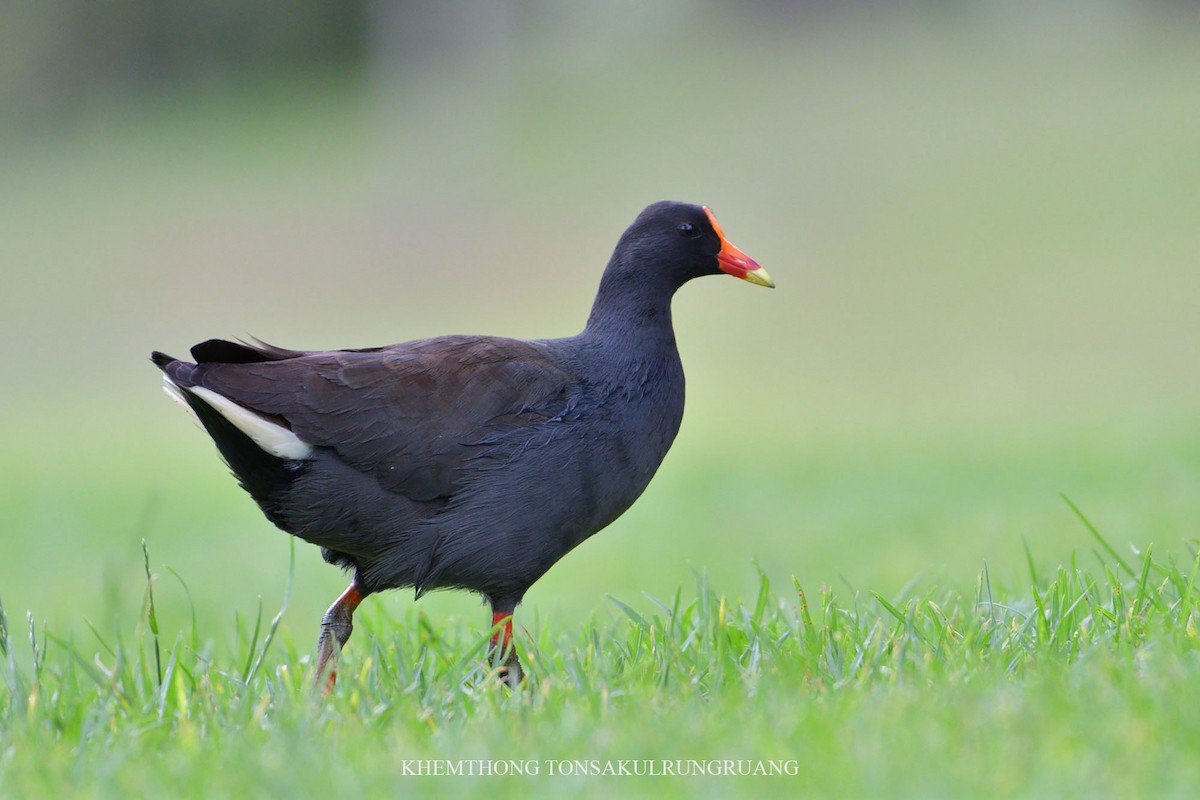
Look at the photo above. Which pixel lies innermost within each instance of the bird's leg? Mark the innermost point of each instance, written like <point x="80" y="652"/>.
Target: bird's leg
<point x="336" y="626"/>
<point x="502" y="651"/>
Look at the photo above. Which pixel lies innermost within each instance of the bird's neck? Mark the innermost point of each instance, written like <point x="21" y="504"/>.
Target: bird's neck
<point x="634" y="309"/>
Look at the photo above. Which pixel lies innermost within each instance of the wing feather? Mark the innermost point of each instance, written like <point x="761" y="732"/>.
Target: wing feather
<point x="411" y="415"/>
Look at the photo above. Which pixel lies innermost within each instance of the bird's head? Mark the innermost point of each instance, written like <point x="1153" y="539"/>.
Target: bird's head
<point x="687" y="241"/>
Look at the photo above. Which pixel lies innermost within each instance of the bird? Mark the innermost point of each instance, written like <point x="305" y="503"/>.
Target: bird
<point x="463" y="462"/>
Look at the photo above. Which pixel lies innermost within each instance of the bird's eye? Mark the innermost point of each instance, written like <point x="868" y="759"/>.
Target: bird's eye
<point x="689" y="230"/>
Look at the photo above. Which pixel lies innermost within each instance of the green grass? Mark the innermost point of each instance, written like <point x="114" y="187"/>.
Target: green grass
<point x="1082" y="681"/>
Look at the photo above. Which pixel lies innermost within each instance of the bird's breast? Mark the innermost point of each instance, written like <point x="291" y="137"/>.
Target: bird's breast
<point x="579" y="470"/>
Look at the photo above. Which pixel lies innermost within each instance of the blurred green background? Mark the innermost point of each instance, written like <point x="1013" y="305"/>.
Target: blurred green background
<point x="983" y="218"/>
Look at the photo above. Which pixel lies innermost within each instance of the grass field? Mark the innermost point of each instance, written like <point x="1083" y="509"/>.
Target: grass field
<point x="1084" y="684"/>
<point x="860" y="563"/>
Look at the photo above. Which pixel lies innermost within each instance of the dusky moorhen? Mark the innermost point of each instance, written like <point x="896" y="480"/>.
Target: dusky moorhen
<point x="464" y="462"/>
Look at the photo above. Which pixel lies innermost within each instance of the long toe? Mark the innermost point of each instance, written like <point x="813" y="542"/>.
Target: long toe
<point x="325" y="675"/>
<point x="336" y="627"/>
<point x="510" y="672"/>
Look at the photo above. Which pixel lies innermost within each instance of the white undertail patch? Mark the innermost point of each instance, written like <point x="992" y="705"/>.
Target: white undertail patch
<point x="270" y="436"/>
<point x="176" y="394"/>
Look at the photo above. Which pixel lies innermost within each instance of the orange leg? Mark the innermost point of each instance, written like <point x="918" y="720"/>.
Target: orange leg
<point x="336" y="626"/>
<point x="502" y="648"/>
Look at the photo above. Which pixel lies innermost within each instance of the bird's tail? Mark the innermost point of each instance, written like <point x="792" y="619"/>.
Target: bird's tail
<point x="265" y="457"/>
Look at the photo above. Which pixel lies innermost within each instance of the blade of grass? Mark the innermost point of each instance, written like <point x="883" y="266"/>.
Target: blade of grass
<point x="152" y="615"/>
<point x="764" y="594"/>
<point x="637" y="618"/>
<point x="1185" y="601"/>
<point x="1147" y="595"/>
<point x="287" y="594"/>
<point x="891" y="609"/>
<point x="253" y="642"/>
<point x="12" y="675"/>
<point x="89" y="669"/>
<point x="195" y="637"/>
<point x="1096" y="534"/>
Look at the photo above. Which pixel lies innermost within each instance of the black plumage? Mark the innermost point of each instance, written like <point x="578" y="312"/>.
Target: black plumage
<point x="467" y="462"/>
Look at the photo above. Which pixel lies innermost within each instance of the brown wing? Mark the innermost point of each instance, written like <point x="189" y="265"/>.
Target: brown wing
<point x="412" y="414"/>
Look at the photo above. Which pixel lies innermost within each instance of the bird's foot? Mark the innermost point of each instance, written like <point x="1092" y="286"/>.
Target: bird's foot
<point x="328" y="647"/>
<point x="336" y="627"/>
<point x="511" y="676"/>
<point x="510" y="673"/>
